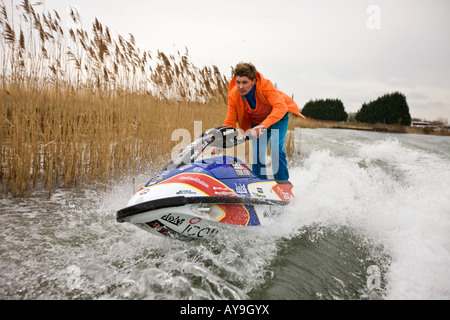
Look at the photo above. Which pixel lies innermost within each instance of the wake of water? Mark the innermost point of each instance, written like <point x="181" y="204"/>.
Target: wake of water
<point x="363" y="200"/>
<point x="394" y="191"/>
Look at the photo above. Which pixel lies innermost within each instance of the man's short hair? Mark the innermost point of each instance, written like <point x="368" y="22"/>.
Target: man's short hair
<point x="245" y="70"/>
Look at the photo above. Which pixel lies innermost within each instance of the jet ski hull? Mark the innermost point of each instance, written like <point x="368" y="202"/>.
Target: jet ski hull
<point x="199" y="217"/>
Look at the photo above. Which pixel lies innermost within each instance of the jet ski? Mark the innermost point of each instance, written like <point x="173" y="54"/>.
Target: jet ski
<point x="194" y="199"/>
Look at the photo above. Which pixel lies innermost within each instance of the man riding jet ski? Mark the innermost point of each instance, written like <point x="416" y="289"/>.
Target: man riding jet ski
<point x="195" y="199"/>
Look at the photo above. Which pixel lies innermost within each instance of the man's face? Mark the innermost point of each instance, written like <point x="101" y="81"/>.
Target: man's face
<point x="244" y="84"/>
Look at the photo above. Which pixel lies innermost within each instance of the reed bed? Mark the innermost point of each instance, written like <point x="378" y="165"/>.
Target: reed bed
<point x="66" y="140"/>
<point x="79" y="108"/>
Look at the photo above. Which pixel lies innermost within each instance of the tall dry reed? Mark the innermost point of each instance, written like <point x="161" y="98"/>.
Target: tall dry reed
<point x="67" y="140"/>
<point x="77" y="108"/>
<point x="38" y="51"/>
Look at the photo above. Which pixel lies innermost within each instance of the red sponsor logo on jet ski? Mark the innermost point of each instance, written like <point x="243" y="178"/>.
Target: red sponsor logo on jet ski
<point x="283" y="191"/>
<point x="202" y="182"/>
<point x="235" y="214"/>
<point x="195" y="220"/>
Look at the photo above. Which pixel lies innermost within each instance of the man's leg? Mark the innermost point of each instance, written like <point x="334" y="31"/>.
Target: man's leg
<point x="278" y="150"/>
<point x="259" y="147"/>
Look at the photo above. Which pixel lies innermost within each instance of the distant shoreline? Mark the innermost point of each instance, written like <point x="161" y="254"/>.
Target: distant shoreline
<point x="377" y="127"/>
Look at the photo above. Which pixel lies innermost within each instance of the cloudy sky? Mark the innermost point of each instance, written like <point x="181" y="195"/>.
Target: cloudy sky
<point x="354" y="50"/>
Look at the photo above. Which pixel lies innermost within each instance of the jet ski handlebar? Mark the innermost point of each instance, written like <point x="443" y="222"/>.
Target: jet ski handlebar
<point x="225" y="137"/>
<point x="221" y="137"/>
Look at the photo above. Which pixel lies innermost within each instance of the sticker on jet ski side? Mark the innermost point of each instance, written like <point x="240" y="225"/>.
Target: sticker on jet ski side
<point x="191" y="229"/>
<point x="284" y="191"/>
<point x="241" y="170"/>
<point x="199" y="232"/>
<point x="240" y="188"/>
<point x="271" y="190"/>
<point x="176" y="220"/>
<point x="159" y="227"/>
<point x="202" y="182"/>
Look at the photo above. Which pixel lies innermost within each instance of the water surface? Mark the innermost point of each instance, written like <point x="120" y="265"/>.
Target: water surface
<point x="371" y="220"/>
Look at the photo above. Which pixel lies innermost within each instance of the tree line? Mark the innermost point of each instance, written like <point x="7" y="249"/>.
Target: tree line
<point x="329" y="109"/>
<point x="391" y="108"/>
